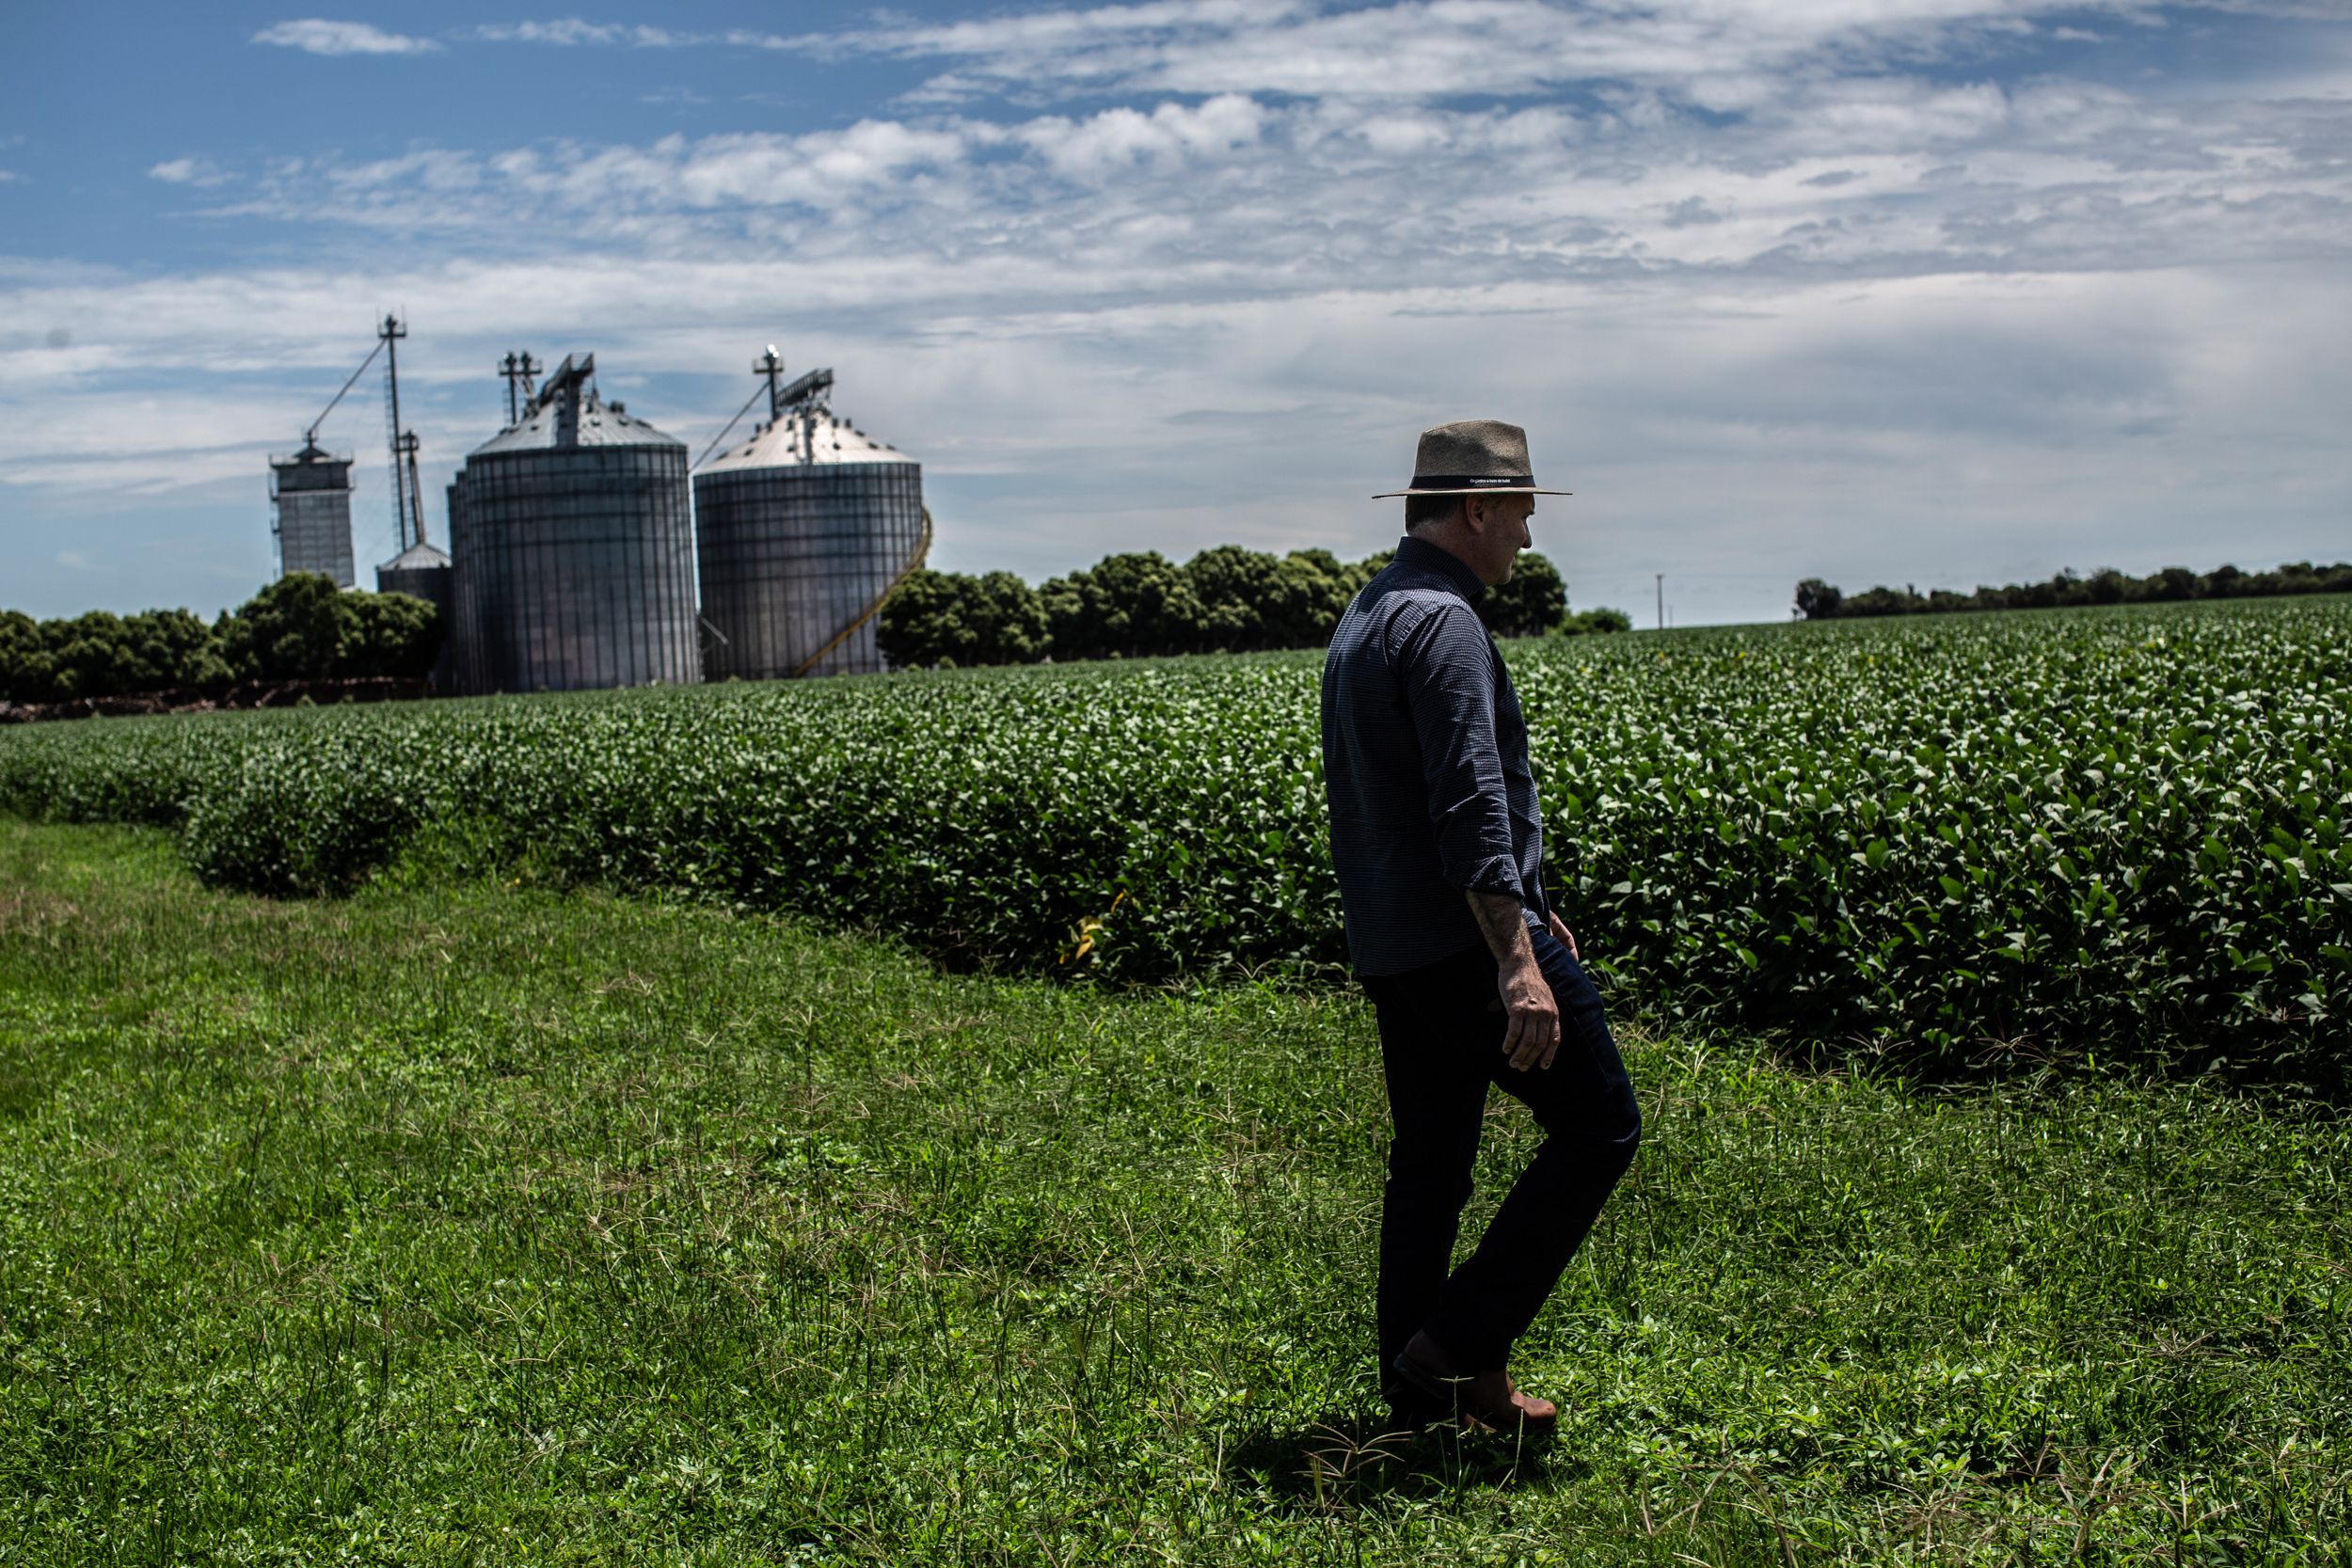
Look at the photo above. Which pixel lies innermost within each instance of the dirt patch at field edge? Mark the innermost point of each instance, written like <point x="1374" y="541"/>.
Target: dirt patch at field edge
<point x="248" y="695"/>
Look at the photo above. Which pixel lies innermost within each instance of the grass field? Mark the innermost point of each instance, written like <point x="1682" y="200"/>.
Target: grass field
<point x="468" y="1222"/>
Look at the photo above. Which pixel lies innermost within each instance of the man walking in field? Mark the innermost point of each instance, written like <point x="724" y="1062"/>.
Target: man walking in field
<point x="1439" y="844"/>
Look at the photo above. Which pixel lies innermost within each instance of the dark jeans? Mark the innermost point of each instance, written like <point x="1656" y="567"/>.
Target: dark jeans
<point x="1441" y="1031"/>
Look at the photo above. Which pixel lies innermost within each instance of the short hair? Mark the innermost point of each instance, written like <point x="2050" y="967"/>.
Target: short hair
<point x="1423" y="510"/>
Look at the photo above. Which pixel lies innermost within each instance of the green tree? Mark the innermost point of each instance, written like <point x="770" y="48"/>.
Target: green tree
<point x="100" y="654"/>
<point x="86" y="656"/>
<point x="1134" y="605"/>
<point x="170" y="649"/>
<point x="1590" y="623"/>
<point x="1531" y="603"/>
<point x="946" y="616"/>
<point x="1309" y="593"/>
<point x="2106" y="586"/>
<point x="1008" y="620"/>
<point x="1883" y="600"/>
<point x="395" y="635"/>
<point x="915" y="626"/>
<point x="293" y="629"/>
<point x="1234" y="589"/>
<point x="24" y="658"/>
<point x="2173" y="582"/>
<point x="303" y="627"/>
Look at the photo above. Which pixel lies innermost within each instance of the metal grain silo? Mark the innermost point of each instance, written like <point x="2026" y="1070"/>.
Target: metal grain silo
<point x="459" y="647"/>
<point x="425" y="573"/>
<point x="574" y="547"/>
<point x="800" y="532"/>
<point x="310" y="512"/>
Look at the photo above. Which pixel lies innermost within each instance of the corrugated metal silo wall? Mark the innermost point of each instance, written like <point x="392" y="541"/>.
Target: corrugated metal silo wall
<point x="575" y="569"/>
<point x="454" y="671"/>
<point x="791" y="554"/>
<point x="314" y="533"/>
<point x="437" y="585"/>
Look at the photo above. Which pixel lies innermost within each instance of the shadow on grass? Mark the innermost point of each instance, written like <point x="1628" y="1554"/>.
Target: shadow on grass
<point x="1356" y="1459"/>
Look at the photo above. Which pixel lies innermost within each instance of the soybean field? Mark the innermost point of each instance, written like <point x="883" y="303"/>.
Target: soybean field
<point x="1954" y="838"/>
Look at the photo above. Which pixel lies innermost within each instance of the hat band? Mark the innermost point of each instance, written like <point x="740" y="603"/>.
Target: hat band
<point x="1468" y="482"/>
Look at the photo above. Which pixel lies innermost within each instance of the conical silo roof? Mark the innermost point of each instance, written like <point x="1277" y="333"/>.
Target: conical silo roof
<point x="799" y="440"/>
<point x="418" y="557"/>
<point x="566" y="413"/>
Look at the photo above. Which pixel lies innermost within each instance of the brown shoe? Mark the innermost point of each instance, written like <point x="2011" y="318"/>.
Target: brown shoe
<point x="1486" y="1400"/>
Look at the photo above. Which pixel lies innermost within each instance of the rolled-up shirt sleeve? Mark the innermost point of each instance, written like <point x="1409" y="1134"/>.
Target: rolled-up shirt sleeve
<point x="1444" y="661"/>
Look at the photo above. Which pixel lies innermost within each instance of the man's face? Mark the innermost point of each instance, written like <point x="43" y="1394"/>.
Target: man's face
<point x="1498" y="528"/>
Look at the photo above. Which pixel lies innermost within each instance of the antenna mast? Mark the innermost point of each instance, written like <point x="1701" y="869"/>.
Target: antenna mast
<point x="770" y="364"/>
<point x="416" y="496"/>
<point x="407" y="500"/>
<point x="517" y="370"/>
<point x="805" y="398"/>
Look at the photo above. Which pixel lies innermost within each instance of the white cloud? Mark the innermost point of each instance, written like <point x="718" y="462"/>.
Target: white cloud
<point x="1421" y="48"/>
<point x="1111" y="141"/>
<point x="74" y="561"/>
<point x="571" y="32"/>
<point x="313" y="36"/>
<point x="1718" y="53"/>
<point x="1880" y="174"/>
<point x="1737" y="432"/>
<point x="1844" y="314"/>
<point x="188" y="172"/>
<point x="1414" y="48"/>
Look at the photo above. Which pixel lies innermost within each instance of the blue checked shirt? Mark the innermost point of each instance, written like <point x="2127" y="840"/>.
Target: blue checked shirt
<point x="1425" y="766"/>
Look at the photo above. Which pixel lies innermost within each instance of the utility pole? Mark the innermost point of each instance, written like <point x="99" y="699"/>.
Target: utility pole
<point x="1661" y="601"/>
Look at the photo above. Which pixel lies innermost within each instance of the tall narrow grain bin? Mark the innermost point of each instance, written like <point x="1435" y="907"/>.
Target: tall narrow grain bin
<point x="574" y="547"/>
<point x="424" y="572"/>
<point x="310" y="512"/>
<point x="800" y="533"/>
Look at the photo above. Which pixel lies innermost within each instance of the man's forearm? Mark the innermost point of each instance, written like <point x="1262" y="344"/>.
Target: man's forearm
<point x="1503" y="920"/>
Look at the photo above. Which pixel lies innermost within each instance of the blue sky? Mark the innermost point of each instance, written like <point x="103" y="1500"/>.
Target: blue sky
<point x="1906" y="291"/>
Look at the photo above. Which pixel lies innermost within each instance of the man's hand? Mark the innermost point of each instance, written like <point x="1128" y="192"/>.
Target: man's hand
<point x="1568" y="938"/>
<point x="1534" y="1036"/>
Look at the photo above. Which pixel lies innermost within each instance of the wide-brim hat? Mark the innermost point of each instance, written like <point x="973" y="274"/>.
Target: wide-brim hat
<point x="1472" y="457"/>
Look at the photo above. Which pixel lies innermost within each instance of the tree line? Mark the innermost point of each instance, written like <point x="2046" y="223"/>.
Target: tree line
<point x="1141" y="604"/>
<point x="300" y="628"/>
<point x="1822" y="601"/>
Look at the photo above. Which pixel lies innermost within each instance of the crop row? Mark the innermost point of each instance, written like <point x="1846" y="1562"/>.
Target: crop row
<point x="2107" y="830"/>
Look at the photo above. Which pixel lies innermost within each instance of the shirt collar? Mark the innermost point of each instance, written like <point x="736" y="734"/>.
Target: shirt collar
<point x="1427" y="557"/>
